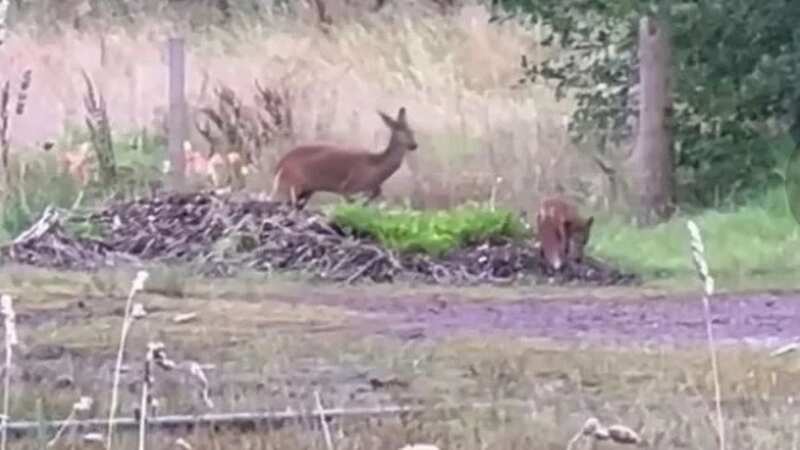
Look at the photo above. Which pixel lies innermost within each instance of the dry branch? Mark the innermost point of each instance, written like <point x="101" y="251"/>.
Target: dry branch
<point x="220" y="237"/>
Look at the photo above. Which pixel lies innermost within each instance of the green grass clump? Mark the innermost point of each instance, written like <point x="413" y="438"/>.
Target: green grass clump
<point x="38" y="181"/>
<point x="756" y="239"/>
<point x="431" y="232"/>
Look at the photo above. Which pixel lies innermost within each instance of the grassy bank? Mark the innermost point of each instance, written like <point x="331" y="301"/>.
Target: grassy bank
<point x="757" y="240"/>
<point x="756" y="245"/>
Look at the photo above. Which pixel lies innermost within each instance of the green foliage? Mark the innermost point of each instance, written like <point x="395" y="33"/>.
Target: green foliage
<point x="38" y="186"/>
<point x="432" y="232"/>
<point x="761" y="237"/>
<point x="40" y="182"/>
<point x="735" y="80"/>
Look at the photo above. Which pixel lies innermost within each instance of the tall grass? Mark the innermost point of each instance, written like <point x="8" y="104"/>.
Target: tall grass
<point x="455" y="74"/>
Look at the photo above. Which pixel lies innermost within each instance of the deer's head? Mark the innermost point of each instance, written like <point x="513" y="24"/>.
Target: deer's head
<point x="402" y="134"/>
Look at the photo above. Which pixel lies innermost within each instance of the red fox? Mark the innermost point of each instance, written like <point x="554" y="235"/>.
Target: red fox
<point x="561" y="232"/>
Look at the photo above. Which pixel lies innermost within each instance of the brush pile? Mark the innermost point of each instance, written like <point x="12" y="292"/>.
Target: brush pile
<point x="219" y="236"/>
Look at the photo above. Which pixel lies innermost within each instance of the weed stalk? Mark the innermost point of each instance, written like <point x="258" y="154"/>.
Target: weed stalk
<point x="701" y="265"/>
<point x="136" y="286"/>
<point x="7" y="309"/>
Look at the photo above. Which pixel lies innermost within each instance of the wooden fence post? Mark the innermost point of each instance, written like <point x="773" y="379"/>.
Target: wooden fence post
<point x="177" y="111"/>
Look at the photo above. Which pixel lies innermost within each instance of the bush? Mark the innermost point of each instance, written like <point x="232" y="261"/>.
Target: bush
<point x="431" y="232"/>
<point x="38" y="181"/>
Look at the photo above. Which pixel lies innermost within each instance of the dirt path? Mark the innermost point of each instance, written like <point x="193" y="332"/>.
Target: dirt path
<point x="762" y="318"/>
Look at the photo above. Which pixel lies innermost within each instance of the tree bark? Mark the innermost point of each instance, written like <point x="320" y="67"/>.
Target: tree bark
<point x="652" y="158"/>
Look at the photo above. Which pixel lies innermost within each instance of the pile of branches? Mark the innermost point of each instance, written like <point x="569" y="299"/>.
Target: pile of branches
<point x="220" y="236"/>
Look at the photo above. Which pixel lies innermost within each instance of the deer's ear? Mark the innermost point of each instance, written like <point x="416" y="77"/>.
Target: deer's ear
<point x="386" y="119"/>
<point x="589" y="222"/>
<point x="401" y="114"/>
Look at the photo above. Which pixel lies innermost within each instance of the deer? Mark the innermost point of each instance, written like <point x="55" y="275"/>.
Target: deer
<point x="307" y="169"/>
<point x="562" y="233"/>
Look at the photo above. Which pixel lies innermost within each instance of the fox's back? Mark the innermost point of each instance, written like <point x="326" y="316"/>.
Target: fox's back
<point x="555" y="210"/>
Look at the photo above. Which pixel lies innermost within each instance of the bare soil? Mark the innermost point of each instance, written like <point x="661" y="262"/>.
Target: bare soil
<point x="755" y="318"/>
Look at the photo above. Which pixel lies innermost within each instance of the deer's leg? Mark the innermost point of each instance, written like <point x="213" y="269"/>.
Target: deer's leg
<point x="375" y="193"/>
<point x="302" y="199"/>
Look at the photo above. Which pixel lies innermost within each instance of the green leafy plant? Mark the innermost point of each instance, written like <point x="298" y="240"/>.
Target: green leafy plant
<point x="39" y="182"/>
<point x="431" y="232"/>
<point x="735" y="87"/>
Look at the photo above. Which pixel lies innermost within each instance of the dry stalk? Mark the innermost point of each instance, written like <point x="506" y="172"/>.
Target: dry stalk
<point x="12" y="340"/>
<point x="156" y="355"/>
<point x="5" y="99"/>
<point x="493" y="195"/>
<point x="5" y="115"/>
<point x="242" y="129"/>
<point x="701" y="265"/>
<point x="94" y="438"/>
<point x="82" y="405"/>
<point x="100" y="131"/>
<point x="325" y="429"/>
<point x="197" y="371"/>
<point x="4" y="4"/>
<point x="136" y="286"/>
<point x="594" y="429"/>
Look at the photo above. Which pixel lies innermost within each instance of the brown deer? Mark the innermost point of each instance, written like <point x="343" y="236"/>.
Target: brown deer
<point x="325" y="168"/>
<point x="562" y="233"/>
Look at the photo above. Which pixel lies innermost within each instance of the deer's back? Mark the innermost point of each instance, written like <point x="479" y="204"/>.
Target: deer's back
<point x="326" y="167"/>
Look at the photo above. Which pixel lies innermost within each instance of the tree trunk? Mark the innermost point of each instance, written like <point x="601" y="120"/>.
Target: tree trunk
<point x="652" y="158"/>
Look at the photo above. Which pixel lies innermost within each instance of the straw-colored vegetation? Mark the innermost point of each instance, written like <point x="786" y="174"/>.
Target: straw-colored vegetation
<point x="262" y="346"/>
<point x="481" y="139"/>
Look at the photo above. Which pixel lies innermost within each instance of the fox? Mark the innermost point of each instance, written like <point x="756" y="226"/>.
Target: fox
<point x="562" y="233"/>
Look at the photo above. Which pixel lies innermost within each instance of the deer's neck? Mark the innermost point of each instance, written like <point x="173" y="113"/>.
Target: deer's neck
<point x="390" y="159"/>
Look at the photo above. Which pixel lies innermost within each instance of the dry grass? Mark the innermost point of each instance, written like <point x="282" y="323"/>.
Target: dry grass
<point x="699" y="258"/>
<point x="127" y="321"/>
<point x="454" y="74"/>
<point x="10" y="341"/>
<point x="270" y="352"/>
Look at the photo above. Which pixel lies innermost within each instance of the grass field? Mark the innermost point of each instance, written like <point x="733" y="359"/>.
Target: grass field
<point x="273" y="344"/>
<point x="630" y="355"/>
